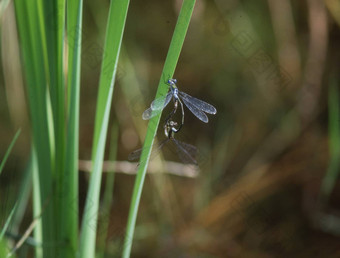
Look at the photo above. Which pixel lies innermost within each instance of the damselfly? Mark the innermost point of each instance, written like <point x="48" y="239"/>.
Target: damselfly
<point x="196" y="106"/>
<point x="185" y="151"/>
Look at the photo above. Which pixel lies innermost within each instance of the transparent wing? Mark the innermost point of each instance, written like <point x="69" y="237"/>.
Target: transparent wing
<point x="156" y="106"/>
<point x="135" y="155"/>
<point x="200" y="104"/>
<point x="149" y="113"/>
<point x="160" y="103"/>
<point x="198" y="113"/>
<point x="186" y="152"/>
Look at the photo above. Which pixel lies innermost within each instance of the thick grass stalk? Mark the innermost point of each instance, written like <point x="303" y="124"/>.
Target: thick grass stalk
<point x="54" y="26"/>
<point x="168" y="71"/>
<point x="33" y="47"/>
<point x="69" y="178"/>
<point x="114" y="34"/>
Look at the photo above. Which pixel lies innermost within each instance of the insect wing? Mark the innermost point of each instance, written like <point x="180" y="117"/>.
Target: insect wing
<point x="135" y="155"/>
<point x="186" y="152"/>
<point x="161" y="103"/>
<point x="156" y="106"/>
<point x="149" y="113"/>
<point x="200" y="104"/>
<point x="197" y="112"/>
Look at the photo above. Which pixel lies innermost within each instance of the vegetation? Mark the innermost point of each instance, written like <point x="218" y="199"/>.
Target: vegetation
<point x="266" y="184"/>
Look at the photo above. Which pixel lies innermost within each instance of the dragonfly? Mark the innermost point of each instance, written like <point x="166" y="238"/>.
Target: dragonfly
<point x="185" y="151"/>
<point x="198" y="107"/>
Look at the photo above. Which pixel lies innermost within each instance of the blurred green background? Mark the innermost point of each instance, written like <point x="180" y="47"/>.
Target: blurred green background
<point x="268" y="160"/>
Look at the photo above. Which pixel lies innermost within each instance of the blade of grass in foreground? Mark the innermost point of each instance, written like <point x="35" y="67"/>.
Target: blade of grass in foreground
<point x="54" y="24"/>
<point x="114" y="34"/>
<point x="69" y="177"/>
<point x="30" y="24"/>
<point x="168" y="70"/>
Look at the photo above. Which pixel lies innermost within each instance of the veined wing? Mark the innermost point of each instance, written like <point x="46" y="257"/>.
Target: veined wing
<point x="200" y="104"/>
<point x="135" y="155"/>
<point x="157" y="106"/>
<point x="161" y="102"/>
<point x="197" y="112"/>
<point x="186" y="152"/>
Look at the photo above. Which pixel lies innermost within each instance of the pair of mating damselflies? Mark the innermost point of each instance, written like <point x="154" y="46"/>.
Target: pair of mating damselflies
<point x="198" y="107"/>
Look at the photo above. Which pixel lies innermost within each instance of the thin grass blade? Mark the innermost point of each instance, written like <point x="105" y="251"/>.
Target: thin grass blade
<point x="30" y="21"/>
<point x="9" y="149"/>
<point x="8" y="221"/>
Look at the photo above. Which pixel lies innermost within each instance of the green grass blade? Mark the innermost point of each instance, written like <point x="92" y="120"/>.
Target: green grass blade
<point x="114" y="33"/>
<point x="37" y="207"/>
<point x="334" y="140"/>
<point x="54" y="32"/>
<point x="69" y="186"/>
<point x="168" y="71"/>
<point x="33" y="49"/>
<point x="8" y="221"/>
<point x="10" y="147"/>
<point x="54" y="27"/>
